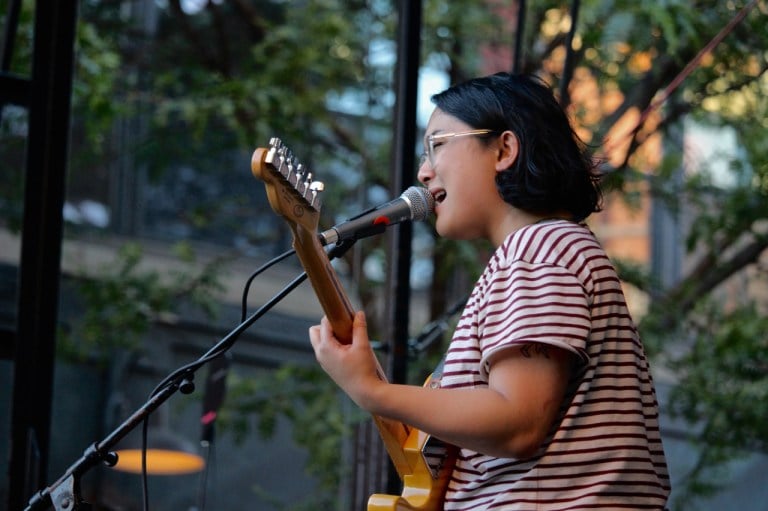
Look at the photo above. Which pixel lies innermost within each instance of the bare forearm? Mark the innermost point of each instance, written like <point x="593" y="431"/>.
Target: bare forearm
<point x="508" y="418"/>
<point x="480" y="419"/>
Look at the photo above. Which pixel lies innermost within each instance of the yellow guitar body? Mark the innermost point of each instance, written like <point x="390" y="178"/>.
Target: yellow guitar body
<point x="423" y="488"/>
<point x="423" y="463"/>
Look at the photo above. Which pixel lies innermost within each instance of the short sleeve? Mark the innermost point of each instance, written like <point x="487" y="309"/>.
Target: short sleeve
<point x="526" y="302"/>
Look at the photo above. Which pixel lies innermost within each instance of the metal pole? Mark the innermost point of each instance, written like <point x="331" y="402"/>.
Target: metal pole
<point x="408" y="53"/>
<point x="519" y="35"/>
<point x="42" y="228"/>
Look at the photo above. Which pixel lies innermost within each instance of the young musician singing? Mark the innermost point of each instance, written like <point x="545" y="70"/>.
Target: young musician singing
<point x="546" y="389"/>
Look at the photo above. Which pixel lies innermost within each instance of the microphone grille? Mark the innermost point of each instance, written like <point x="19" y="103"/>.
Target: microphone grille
<point x="422" y="202"/>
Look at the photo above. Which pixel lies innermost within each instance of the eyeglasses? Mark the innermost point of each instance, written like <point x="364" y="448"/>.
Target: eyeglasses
<point x="429" y="154"/>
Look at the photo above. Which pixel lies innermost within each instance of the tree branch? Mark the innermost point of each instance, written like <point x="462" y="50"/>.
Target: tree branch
<point x="708" y="273"/>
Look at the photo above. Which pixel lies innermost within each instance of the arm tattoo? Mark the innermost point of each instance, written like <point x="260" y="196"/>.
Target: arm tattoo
<point x="531" y="349"/>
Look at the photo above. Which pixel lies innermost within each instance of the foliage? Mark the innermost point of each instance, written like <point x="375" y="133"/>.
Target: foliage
<point x="702" y="326"/>
<point x="723" y="391"/>
<point x="210" y="85"/>
<point x="123" y="299"/>
<point x="13" y="126"/>
<point x="11" y="183"/>
<point x="310" y="401"/>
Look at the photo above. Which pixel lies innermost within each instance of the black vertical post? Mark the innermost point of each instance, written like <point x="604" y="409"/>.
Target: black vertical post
<point x="47" y="153"/>
<point x="408" y="61"/>
<point x="565" y="96"/>
<point x="519" y="37"/>
<point x="402" y="177"/>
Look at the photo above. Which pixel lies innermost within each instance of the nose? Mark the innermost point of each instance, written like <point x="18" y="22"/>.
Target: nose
<point x="426" y="172"/>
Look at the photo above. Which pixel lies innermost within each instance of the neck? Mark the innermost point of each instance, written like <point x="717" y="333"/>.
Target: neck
<point x="517" y="218"/>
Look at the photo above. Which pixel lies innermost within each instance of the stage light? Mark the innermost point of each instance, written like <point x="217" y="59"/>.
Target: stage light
<point x="167" y="454"/>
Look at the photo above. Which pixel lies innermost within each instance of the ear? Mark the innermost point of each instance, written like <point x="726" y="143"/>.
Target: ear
<point x="509" y="148"/>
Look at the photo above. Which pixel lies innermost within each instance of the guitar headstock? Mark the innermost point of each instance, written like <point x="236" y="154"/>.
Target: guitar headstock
<point x="291" y="191"/>
<point x="296" y="197"/>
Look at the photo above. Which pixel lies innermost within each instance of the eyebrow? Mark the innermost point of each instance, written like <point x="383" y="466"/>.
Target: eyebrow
<point x="438" y="131"/>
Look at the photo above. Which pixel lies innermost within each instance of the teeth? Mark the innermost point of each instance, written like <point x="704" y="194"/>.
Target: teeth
<point x="439" y="196"/>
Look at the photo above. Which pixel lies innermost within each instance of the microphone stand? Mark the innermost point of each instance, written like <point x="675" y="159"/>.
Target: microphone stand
<point x="64" y="494"/>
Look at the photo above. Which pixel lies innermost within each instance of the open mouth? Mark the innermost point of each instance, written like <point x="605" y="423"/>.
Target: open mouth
<point x="439" y="196"/>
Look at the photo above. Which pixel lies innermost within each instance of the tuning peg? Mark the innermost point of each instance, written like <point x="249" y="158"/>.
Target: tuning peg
<point x="284" y="156"/>
<point x="316" y="187"/>
<point x="300" y="169"/>
<point x="274" y="150"/>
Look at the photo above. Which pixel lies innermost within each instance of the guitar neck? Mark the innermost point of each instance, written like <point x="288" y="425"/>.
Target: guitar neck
<point x="328" y="289"/>
<point x="337" y="307"/>
<point x="294" y="196"/>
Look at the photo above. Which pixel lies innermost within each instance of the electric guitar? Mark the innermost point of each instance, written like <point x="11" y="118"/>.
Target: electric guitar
<point x="423" y="462"/>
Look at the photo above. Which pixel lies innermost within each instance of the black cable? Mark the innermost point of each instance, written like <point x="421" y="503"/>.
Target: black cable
<point x="144" y="479"/>
<point x="203" y="493"/>
<point x="255" y="274"/>
<point x="433" y="331"/>
<point x="183" y="376"/>
<point x="226" y="342"/>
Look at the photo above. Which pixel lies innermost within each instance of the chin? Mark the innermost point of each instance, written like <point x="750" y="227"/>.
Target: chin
<point x="442" y="231"/>
<point x="451" y="233"/>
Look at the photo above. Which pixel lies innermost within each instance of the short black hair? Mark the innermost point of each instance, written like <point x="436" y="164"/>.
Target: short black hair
<point x="555" y="170"/>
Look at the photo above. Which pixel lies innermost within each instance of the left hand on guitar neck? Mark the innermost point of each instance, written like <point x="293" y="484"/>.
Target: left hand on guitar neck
<point x="508" y="418"/>
<point x="352" y="366"/>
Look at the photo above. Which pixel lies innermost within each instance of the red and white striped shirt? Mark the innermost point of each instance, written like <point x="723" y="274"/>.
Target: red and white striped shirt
<point x="551" y="282"/>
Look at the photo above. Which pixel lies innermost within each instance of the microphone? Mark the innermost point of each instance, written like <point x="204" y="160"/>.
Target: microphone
<point x="416" y="203"/>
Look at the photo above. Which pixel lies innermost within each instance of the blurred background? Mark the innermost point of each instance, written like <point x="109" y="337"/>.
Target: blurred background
<point x="130" y="225"/>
